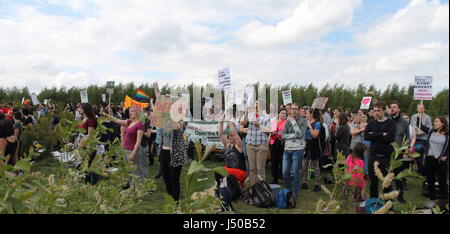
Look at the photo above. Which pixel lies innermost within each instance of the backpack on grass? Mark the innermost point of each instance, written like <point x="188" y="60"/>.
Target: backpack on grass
<point x="283" y="198"/>
<point x="261" y="195"/>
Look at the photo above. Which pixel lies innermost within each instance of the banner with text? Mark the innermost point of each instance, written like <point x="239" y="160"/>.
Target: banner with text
<point x="423" y="88"/>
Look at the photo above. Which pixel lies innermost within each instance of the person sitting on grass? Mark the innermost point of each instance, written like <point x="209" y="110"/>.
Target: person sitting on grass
<point x="355" y="166"/>
<point x="234" y="154"/>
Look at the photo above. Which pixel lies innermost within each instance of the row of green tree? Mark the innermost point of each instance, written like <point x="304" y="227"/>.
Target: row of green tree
<point x="339" y="96"/>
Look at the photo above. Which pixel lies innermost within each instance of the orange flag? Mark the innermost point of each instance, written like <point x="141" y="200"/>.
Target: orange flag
<point x="130" y="102"/>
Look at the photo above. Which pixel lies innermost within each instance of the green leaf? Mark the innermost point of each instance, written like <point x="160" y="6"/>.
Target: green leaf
<point x="23" y="165"/>
<point x="395" y="164"/>
<point x="195" y="167"/>
<point x="221" y="171"/>
<point x="403" y="174"/>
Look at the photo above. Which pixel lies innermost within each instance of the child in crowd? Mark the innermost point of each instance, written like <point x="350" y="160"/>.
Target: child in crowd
<point x="355" y="166"/>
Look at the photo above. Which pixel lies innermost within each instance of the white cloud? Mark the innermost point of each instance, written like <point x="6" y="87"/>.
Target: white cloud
<point x="312" y="19"/>
<point x="416" y="23"/>
<point x="40" y="50"/>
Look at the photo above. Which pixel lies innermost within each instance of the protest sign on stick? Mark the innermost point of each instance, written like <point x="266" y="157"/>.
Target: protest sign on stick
<point x="35" y="99"/>
<point x="84" y="96"/>
<point x="224" y="79"/>
<point x="161" y="117"/>
<point x="365" y="103"/>
<point x="287" y="97"/>
<point x="423" y="88"/>
<point x="319" y="103"/>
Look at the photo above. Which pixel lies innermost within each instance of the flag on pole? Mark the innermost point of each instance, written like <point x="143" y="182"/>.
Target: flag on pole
<point x="141" y="96"/>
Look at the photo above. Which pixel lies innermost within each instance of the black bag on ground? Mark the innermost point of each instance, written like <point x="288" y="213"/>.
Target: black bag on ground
<point x="261" y="195"/>
<point x="228" y="191"/>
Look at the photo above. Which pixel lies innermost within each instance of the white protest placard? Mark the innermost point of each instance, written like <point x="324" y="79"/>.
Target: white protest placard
<point x="224" y="79"/>
<point x="23" y="99"/>
<point x="84" y="96"/>
<point x="103" y="97"/>
<point x="35" y="99"/>
<point x="365" y="103"/>
<point x="287" y="97"/>
<point x="208" y="102"/>
<point x="248" y="96"/>
<point x="423" y="88"/>
<point x="319" y="103"/>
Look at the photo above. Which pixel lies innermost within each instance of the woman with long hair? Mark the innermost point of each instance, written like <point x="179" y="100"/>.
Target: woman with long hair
<point x="276" y="145"/>
<point x="343" y="135"/>
<point x="89" y="124"/>
<point x="313" y="151"/>
<point x="436" y="161"/>
<point x="131" y="141"/>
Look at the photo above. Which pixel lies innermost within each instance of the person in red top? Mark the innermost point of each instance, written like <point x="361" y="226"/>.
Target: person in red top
<point x="3" y="110"/>
<point x="9" y="111"/>
<point x="89" y="124"/>
<point x="276" y="145"/>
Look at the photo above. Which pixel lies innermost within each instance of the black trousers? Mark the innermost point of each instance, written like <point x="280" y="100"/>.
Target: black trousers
<point x="171" y="175"/>
<point x="434" y="167"/>
<point x="276" y="151"/>
<point x="399" y="184"/>
<point x="91" y="177"/>
<point x="384" y="161"/>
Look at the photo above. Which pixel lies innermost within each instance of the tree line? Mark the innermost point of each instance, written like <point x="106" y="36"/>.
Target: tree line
<point x="348" y="99"/>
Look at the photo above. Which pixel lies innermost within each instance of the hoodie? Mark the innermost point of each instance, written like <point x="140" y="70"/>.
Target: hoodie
<point x="294" y="133"/>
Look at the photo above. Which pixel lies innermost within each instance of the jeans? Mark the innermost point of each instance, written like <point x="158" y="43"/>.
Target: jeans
<point x="366" y="157"/>
<point x="244" y="148"/>
<point x="292" y="163"/>
<point x="420" y="160"/>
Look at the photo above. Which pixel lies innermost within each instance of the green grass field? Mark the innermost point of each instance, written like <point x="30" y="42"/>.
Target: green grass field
<point x="305" y="204"/>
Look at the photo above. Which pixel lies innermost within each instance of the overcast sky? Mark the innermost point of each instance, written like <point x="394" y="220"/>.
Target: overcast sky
<point x="81" y="42"/>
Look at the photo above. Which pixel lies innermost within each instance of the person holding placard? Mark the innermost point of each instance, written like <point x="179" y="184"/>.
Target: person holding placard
<point x="234" y="154"/>
<point x="417" y="120"/>
<point x="257" y="143"/>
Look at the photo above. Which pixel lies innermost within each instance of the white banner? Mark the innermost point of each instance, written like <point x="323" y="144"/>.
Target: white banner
<point x="35" y="99"/>
<point x="287" y="97"/>
<point x="103" y="97"/>
<point x="423" y="88"/>
<point x="224" y="79"/>
<point x="84" y="96"/>
<point x="204" y="131"/>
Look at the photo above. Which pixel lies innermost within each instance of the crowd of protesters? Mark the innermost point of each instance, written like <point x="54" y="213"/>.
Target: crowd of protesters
<point x="296" y="139"/>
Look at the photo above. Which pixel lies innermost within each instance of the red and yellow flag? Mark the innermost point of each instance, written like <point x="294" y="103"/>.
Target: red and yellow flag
<point x="130" y="102"/>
